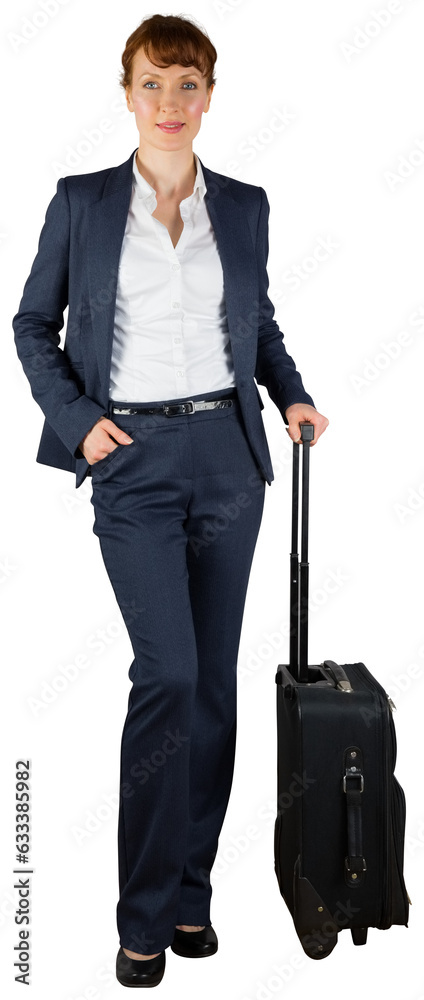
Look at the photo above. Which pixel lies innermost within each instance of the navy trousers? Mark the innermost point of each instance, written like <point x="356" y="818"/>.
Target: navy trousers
<point x="177" y="514"/>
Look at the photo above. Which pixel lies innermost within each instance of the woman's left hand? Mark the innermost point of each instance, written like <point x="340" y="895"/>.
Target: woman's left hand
<point x="304" y="413"/>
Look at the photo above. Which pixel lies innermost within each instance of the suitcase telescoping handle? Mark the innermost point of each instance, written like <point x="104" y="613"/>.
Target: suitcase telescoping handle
<point x="299" y="570"/>
<point x="299" y="574"/>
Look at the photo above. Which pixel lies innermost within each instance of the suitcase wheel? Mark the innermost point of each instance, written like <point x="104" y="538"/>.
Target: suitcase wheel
<point x="359" y="935"/>
<point x="316" y="946"/>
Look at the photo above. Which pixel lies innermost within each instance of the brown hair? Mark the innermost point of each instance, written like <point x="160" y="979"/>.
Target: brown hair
<point x="170" y="39"/>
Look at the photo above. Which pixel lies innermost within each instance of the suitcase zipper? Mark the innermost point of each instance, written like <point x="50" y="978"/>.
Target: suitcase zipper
<point x="396" y="794"/>
<point x="372" y="685"/>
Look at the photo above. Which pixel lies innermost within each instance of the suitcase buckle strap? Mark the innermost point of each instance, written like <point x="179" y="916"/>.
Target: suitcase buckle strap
<point x="353" y="787"/>
<point x="355" y="866"/>
<point x="353" y="774"/>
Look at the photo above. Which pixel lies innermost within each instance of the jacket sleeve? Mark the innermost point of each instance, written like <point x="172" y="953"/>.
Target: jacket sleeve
<point x="275" y="369"/>
<point x="37" y="325"/>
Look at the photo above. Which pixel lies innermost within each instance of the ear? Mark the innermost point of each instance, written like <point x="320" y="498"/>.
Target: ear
<point x="128" y="98"/>
<point x="208" y="99"/>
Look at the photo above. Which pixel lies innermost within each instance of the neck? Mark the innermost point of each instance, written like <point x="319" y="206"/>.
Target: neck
<point x="171" y="175"/>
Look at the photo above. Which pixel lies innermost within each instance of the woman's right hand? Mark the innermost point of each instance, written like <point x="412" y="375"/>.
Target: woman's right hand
<point x="99" y="441"/>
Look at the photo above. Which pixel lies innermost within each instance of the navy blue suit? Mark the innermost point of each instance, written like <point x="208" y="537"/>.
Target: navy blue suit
<point x="177" y="514"/>
<point x="77" y="264"/>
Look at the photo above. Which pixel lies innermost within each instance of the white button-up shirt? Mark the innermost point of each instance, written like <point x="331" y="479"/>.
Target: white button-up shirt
<point x="171" y="334"/>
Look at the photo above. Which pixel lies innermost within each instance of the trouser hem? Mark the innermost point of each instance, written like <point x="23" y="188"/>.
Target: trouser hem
<point x="193" y="917"/>
<point x="156" y="943"/>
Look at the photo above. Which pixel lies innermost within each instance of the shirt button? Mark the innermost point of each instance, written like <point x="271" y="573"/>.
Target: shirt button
<point x="175" y="305"/>
<point x="177" y="340"/>
<point x="175" y="267"/>
<point x="180" y="374"/>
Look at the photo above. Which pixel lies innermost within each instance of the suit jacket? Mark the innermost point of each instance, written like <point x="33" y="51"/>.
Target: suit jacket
<point x="77" y="266"/>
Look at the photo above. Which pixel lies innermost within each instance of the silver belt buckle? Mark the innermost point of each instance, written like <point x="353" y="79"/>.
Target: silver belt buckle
<point x="175" y="409"/>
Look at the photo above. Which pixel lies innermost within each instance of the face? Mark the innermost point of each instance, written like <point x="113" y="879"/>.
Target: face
<point x="172" y="94"/>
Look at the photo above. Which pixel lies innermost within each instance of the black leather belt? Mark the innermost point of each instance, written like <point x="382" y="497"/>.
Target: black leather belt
<point x="175" y="409"/>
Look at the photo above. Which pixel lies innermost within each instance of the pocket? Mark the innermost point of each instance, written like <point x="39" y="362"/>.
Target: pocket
<point x="103" y="462"/>
<point x="399" y="896"/>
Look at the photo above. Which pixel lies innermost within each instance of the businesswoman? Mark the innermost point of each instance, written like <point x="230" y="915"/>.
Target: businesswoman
<point x="162" y="262"/>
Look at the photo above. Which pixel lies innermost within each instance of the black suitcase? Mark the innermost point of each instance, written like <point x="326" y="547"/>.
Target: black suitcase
<point x="340" y="825"/>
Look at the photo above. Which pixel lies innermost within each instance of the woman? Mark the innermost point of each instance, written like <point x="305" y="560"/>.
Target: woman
<point x="163" y="264"/>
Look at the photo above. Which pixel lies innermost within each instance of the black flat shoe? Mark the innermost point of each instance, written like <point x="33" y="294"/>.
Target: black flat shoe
<point x="195" y="944"/>
<point x="139" y="972"/>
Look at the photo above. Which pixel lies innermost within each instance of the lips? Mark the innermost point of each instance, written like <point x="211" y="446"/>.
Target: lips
<point x="170" y="126"/>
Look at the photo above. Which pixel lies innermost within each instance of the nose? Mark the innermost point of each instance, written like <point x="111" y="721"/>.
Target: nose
<point x="169" y="104"/>
<point x="169" y="99"/>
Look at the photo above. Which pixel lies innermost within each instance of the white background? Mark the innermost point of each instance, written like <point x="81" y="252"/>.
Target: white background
<point x="350" y="90"/>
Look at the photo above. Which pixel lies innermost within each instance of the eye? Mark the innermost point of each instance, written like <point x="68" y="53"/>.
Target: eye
<point x="188" y="84"/>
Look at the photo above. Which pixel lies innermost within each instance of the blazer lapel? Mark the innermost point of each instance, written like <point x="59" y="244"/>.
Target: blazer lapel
<point x="107" y="219"/>
<point x="238" y="259"/>
<point x="106" y="227"/>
